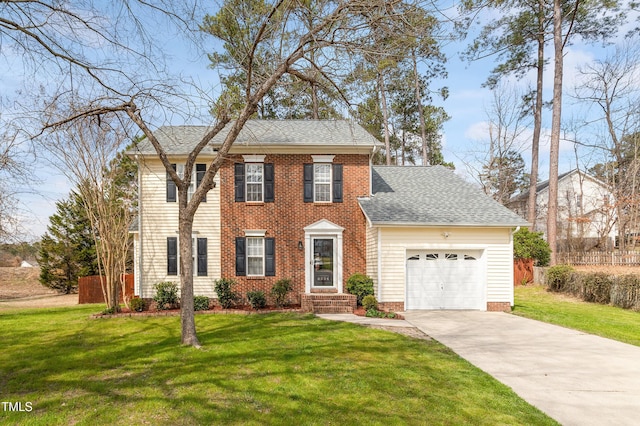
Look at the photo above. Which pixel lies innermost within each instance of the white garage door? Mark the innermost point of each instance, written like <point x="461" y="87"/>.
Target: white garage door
<point x="444" y="280"/>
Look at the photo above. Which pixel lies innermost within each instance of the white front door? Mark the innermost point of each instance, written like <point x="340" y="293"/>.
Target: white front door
<point x="323" y="254"/>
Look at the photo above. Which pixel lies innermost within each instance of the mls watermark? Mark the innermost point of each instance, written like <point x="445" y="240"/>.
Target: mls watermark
<point x="24" y="407"/>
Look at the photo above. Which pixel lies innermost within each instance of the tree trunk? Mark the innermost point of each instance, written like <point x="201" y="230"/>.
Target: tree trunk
<point x="552" y="212"/>
<point x="423" y="124"/>
<point x="385" y="117"/>
<point x="187" y="318"/>
<point x="537" y="122"/>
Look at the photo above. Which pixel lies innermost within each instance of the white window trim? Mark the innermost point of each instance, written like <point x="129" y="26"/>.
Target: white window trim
<point x="330" y="183"/>
<point x="253" y="158"/>
<point x="323" y="158"/>
<point x="261" y="238"/>
<point x="247" y="183"/>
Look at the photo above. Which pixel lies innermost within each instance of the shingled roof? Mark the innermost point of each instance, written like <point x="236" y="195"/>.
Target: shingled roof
<point x="431" y="196"/>
<point x="180" y="140"/>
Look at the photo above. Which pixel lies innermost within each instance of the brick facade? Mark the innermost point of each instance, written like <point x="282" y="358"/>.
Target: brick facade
<point x="286" y="217"/>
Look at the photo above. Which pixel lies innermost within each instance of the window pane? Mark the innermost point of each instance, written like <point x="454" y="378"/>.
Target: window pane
<point x="254" y="173"/>
<point x="322" y="173"/>
<point x="254" y="192"/>
<point x="323" y="192"/>
<point x="255" y="246"/>
<point x="254" y="266"/>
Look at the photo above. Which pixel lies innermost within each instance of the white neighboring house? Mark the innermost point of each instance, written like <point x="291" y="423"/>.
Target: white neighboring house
<point x="586" y="211"/>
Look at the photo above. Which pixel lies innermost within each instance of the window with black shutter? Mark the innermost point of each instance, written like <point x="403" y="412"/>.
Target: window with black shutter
<point x="323" y="183"/>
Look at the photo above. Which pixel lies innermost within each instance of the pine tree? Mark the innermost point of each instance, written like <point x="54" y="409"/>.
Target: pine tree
<point x="67" y="250"/>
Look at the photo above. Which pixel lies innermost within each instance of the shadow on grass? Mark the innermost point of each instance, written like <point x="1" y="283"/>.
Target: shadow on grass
<point x="258" y="369"/>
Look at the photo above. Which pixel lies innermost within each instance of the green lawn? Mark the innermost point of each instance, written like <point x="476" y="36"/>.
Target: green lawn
<point x="256" y="369"/>
<point x="607" y="321"/>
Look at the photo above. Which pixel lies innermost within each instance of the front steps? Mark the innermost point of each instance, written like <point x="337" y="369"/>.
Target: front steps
<point x="328" y="303"/>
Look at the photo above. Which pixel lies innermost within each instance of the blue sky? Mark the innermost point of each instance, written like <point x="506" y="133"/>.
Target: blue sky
<point x="464" y="133"/>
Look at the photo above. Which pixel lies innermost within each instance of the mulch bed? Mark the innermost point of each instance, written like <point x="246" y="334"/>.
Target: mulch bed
<point x="240" y="310"/>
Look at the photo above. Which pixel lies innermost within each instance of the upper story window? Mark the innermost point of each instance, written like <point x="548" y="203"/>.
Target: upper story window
<point x="254" y="173"/>
<point x="196" y="178"/>
<point x="322" y="183"/>
<point x="322" y="180"/>
<point x="254" y="180"/>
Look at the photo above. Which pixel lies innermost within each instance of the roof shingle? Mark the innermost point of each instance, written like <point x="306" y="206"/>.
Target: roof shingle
<point x="431" y="196"/>
<point x="180" y="140"/>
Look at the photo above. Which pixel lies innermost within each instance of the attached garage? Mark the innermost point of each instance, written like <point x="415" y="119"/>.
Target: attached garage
<point x="444" y="280"/>
<point x="435" y="241"/>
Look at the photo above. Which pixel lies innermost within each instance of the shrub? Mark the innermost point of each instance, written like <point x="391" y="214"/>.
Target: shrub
<point x="558" y="277"/>
<point x="166" y="295"/>
<point x="626" y="292"/>
<point x="224" y="289"/>
<point x="597" y="288"/>
<point x="360" y="285"/>
<point x="200" y="303"/>
<point x="257" y="299"/>
<point x="136" y="304"/>
<point x="369" y="302"/>
<point x="531" y="245"/>
<point x="279" y="291"/>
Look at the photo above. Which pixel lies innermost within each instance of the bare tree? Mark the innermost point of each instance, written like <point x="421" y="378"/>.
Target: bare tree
<point x="610" y="89"/>
<point x="500" y="169"/>
<point x="85" y="151"/>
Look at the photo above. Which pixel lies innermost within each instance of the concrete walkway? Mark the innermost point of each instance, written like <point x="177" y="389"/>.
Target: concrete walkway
<point x="576" y="378"/>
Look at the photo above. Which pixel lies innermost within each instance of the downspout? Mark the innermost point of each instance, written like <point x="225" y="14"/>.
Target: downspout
<point x="379" y="267"/>
<point x="140" y="239"/>
<point x="512" y="297"/>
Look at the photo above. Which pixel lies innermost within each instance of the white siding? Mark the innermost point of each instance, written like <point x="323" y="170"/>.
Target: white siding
<point x="159" y="220"/>
<point x="495" y="243"/>
<point x="372" y="257"/>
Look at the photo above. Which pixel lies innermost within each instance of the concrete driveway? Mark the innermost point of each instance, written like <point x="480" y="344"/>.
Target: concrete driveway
<point x="576" y="378"/>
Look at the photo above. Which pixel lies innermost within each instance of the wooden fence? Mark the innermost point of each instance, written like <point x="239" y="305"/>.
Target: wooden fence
<point x="616" y="258"/>
<point x="90" y="289"/>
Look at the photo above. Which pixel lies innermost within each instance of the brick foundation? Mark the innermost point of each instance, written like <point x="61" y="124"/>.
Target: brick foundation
<point x="498" y="307"/>
<point x="391" y="306"/>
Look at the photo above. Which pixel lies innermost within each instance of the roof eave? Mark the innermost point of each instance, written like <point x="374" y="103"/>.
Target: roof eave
<point x="391" y="224"/>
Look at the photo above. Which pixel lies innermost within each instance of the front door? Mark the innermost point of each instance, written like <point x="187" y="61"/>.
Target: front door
<point x="323" y="262"/>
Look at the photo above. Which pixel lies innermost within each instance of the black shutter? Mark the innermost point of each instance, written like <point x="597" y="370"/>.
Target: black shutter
<point x="171" y="188"/>
<point x="202" y="257"/>
<point x="268" y="183"/>
<point x="308" y="183"/>
<point x="269" y="257"/>
<point x="172" y="256"/>
<point x="239" y="181"/>
<point x="201" y="169"/>
<point x="241" y="258"/>
<point x="337" y="183"/>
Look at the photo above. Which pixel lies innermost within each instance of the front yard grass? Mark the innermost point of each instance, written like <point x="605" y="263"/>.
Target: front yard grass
<point x="255" y="369"/>
<point x="602" y="320"/>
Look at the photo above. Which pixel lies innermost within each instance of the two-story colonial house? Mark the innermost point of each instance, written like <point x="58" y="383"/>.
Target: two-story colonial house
<point x="300" y="199"/>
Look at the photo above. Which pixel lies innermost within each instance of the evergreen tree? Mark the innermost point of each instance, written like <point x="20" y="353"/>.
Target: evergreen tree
<point x="67" y="250"/>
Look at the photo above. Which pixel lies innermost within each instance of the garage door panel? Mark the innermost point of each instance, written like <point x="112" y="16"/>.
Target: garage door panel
<point x="443" y="280"/>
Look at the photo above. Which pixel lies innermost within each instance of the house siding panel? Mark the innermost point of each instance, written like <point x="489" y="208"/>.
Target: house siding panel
<point x="372" y="257"/>
<point x="159" y="220"/>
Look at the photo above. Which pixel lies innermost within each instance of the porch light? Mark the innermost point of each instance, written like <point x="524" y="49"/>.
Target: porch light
<point x="300" y="245"/>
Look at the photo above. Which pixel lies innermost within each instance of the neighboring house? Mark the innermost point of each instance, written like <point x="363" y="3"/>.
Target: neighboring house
<point x="586" y="211"/>
<point x="299" y="199"/>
